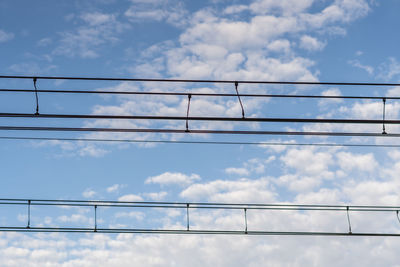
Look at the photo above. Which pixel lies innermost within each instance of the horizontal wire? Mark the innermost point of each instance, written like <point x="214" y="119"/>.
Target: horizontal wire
<point x="194" y="80"/>
<point x="137" y="130"/>
<point x="211" y="205"/>
<point x="189" y="232"/>
<point x="194" y="142"/>
<point x="241" y="119"/>
<point x="196" y="206"/>
<point x="198" y="94"/>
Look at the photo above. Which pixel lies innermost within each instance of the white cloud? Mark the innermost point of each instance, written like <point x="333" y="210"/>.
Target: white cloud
<point x="310" y="43"/>
<point x="325" y="103"/>
<point x="132" y="214"/>
<point x="156" y="196"/>
<point x="170" y="11"/>
<point x="170" y="178"/>
<point x="93" y="151"/>
<point x="285" y="7"/>
<point x="235" y="9"/>
<point x="359" y="162"/>
<point x="130" y="198"/>
<point x="44" y="42"/>
<point x="5" y="36"/>
<point x="252" y="166"/>
<point x="95" y="19"/>
<point x="242" y="190"/>
<point x="74" y="218"/>
<point x="115" y="188"/>
<point x="238" y="171"/>
<point x="89" y="193"/>
<point x="307" y="161"/>
<point x="98" y="30"/>
<point x="389" y="69"/>
<point x="356" y="63"/>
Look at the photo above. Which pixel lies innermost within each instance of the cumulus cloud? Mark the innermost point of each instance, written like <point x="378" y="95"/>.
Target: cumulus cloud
<point x="130" y="198"/>
<point x="170" y="178"/>
<point x="89" y="193"/>
<point x="115" y="188"/>
<point x="170" y="11"/>
<point x="311" y="43"/>
<point x="98" y="29"/>
<point x="242" y="190"/>
<point x="156" y="196"/>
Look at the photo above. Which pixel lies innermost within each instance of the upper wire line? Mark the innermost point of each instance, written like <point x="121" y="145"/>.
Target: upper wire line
<point x="196" y="80"/>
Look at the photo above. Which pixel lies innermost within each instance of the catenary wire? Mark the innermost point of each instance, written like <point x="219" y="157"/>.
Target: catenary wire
<point x="193" y="142"/>
<point x="198" y="94"/>
<point x="238" y="132"/>
<point x="195" y="80"/>
<point x="146" y="117"/>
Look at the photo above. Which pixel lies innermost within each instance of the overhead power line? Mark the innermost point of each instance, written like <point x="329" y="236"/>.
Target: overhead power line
<point x="196" y="94"/>
<point x="188" y="118"/>
<point x="242" y="119"/>
<point x="193" y="142"/>
<point x="96" y="205"/>
<point x="140" y="130"/>
<point x="196" y="80"/>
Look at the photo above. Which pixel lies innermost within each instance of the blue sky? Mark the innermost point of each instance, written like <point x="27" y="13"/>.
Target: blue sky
<point x="288" y="40"/>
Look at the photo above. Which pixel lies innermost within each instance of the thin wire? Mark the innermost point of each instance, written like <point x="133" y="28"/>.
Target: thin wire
<point x="202" y="118"/>
<point x="190" y="232"/>
<point x="194" y="81"/>
<point x="137" y="130"/>
<point x="194" y="142"/>
<point x="200" y="94"/>
<point x="108" y="203"/>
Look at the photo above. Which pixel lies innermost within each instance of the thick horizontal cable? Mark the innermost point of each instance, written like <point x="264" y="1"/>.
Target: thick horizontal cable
<point x="193" y="205"/>
<point x="241" y="119"/>
<point x="193" y="142"/>
<point x="194" y="81"/>
<point x="137" y="130"/>
<point x="198" y="94"/>
<point x="188" y="232"/>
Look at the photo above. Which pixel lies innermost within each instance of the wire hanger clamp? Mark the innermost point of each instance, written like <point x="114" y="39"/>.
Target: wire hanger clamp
<point x="240" y="101"/>
<point x="348" y="219"/>
<point x="36" y="95"/>
<point x="187" y="113"/>
<point x="383" y="116"/>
